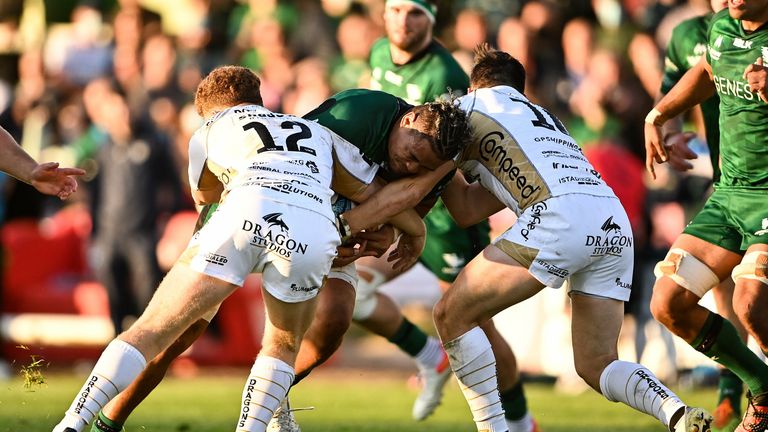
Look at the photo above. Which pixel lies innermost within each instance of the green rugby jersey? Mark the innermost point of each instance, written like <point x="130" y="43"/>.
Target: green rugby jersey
<point x="363" y="117"/>
<point x="686" y="46"/>
<point x="428" y="76"/>
<point x="743" y="116"/>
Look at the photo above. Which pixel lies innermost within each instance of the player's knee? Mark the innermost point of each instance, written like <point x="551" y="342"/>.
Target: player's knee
<point x="686" y="271"/>
<point x="753" y="267"/>
<point x="670" y="304"/>
<point x="440" y="312"/>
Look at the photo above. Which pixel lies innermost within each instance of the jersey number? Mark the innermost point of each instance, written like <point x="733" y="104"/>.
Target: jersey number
<point x="291" y="142"/>
<point x="542" y="121"/>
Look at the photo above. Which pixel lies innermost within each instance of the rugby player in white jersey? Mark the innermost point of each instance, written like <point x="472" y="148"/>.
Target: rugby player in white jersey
<point x="274" y="176"/>
<point x="570" y="227"/>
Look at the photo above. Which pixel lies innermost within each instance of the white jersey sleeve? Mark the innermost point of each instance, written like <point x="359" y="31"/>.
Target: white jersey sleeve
<point x="197" y="158"/>
<point x="521" y="153"/>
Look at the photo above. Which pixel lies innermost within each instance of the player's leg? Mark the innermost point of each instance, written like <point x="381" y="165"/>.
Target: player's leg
<point x="596" y="323"/>
<point x="114" y="414"/>
<point x="183" y="296"/>
<point x="691" y="268"/>
<point x="727" y="414"/>
<point x="489" y="284"/>
<point x="751" y="305"/>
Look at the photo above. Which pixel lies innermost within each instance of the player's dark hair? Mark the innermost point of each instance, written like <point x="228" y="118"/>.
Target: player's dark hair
<point x="227" y="86"/>
<point x="493" y="67"/>
<point x="447" y="124"/>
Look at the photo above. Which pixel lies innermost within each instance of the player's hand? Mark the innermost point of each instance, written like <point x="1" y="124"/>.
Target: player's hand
<point x="678" y="151"/>
<point x="49" y="179"/>
<point x="376" y="241"/>
<point x="756" y="75"/>
<point x="407" y="252"/>
<point x="346" y="253"/>
<point x="654" y="148"/>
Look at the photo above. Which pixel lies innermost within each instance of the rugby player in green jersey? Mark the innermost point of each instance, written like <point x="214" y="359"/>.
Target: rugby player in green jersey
<point x="411" y="64"/>
<point x="686" y="47"/>
<point x="407" y="141"/>
<point x="729" y="236"/>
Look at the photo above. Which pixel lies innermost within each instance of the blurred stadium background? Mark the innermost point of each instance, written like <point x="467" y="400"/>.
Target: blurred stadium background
<point x="596" y="63"/>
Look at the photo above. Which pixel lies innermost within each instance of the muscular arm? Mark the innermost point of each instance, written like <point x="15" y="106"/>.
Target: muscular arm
<point x="396" y="196"/>
<point x="469" y="203"/>
<point x="694" y="87"/>
<point x="47" y="178"/>
<point x="407" y="220"/>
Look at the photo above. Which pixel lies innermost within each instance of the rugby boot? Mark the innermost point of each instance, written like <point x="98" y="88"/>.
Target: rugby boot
<point x="694" y="420"/>
<point x="433" y="380"/>
<point x="756" y="417"/>
<point x="283" y="420"/>
<point x="726" y="418"/>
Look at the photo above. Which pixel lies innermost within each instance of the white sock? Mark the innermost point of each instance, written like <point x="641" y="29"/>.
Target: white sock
<point x="474" y="365"/>
<point x="267" y="385"/>
<point x="637" y="387"/>
<point x="525" y="424"/>
<point x="432" y="355"/>
<point x="119" y="364"/>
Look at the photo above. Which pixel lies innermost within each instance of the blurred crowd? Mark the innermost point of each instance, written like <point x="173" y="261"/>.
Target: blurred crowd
<point x="108" y="86"/>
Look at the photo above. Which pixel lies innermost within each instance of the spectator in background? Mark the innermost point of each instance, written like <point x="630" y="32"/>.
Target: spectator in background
<point x="355" y="35"/>
<point x="136" y="185"/>
<point x="469" y="31"/>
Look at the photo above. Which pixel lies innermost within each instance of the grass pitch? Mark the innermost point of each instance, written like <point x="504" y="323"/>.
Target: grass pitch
<point x="344" y="400"/>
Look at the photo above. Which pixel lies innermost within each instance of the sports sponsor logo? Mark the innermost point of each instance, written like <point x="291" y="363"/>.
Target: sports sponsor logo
<point x="553" y="269"/>
<point x="287" y="187"/>
<point x="299" y="288"/>
<point x="563" y="155"/>
<point x="652" y="384"/>
<point x="739" y="89"/>
<point x="741" y="43"/>
<point x="536" y="211"/>
<point x="714" y="54"/>
<point x="612" y="242"/>
<point x="454" y="262"/>
<point x="312" y="167"/>
<point x="590" y="181"/>
<point x="764" y="230"/>
<point x="559" y="166"/>
<point x="622" y="284"/>
<point x="84" y="395"/>
<point x="492" y="149"/>
<point x="279" y="243"/>
<point x="216" y="258"/>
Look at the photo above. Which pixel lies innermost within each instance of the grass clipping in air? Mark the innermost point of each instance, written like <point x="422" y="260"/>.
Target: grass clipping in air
<point x="33" y="372"/>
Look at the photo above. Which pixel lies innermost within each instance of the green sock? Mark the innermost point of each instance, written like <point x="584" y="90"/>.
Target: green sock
<point x="730" y="386"/>
<point x="719" y="341"/>
<point x="409" y="338"/>
<point x="104" y="424"/>
<point x="514" y="403"/>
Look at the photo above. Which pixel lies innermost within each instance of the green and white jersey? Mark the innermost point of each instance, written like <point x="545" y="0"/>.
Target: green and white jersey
<point x="743" y="116"/>
<point x="363" y="117"/>
<point x="428" y="76"/>
<point x="686" y="47"/>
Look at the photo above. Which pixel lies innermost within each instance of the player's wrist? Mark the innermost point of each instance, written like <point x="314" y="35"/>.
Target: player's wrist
<point x="655" y="117"/>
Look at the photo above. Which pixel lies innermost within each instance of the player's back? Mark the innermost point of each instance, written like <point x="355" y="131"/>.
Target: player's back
<point x="522" y="153"/>
<point x="283" y="157"/>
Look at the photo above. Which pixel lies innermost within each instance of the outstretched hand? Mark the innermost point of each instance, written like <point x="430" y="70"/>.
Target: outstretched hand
<point x="678" y="151"/>
<point x="49" y="179"/>
<point x="655" y="152"/>
<point x="756" y="75"/>
<point x="407" y="252"/>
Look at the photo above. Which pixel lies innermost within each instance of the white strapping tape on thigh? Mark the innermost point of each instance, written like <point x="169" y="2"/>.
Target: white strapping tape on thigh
<point x="365" y="295"/>
<point x="754" y="265"/>
<point x="687" y="271"/>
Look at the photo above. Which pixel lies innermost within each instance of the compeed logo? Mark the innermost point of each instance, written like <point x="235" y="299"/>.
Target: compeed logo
<point x="273" y="219"/>
<point x="609" y="225"/>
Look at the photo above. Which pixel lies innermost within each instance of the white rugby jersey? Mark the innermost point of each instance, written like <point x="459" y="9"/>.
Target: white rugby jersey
<point x="283" y="157"/>
<point x="521" y="153"/>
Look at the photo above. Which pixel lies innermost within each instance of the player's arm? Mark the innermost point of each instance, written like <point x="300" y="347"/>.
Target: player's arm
<point x="47" y="178"/>
<point x="693" y="88"/>
<point x="469" y="203"/>
<point x="205" y="186"/>
<point x="398" y="195"/>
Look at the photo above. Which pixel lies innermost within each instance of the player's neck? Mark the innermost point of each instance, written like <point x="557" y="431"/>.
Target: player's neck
<point x="751" y="26"/>
<point x="401" y="56"/>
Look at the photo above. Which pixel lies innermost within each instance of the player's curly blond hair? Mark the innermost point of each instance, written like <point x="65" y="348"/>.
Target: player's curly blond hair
<point x="493" y="67"/>
<point x="446" y="124"/>
<point x="227" y="86"/>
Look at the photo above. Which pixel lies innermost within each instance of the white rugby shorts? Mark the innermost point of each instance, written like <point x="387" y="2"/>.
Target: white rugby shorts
<point x="291" y="246"/>
<point x="581" y="238"/>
